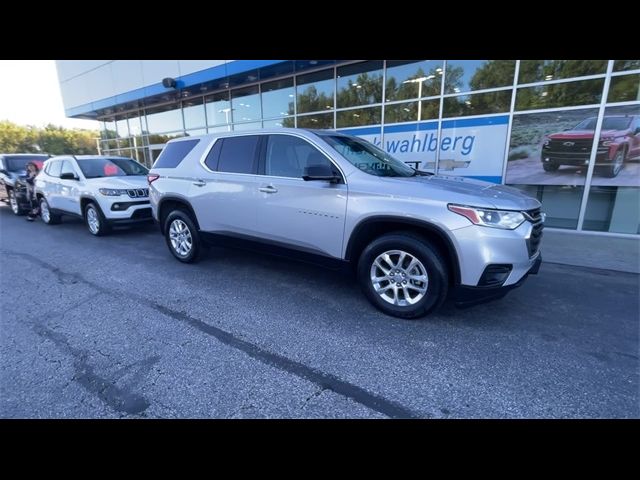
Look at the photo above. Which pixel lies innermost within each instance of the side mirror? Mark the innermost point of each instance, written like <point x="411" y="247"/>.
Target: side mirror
<point x="320" y="172"/>
<point x="68" y="176"/>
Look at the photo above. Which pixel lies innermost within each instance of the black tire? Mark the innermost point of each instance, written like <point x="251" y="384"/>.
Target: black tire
<point x="550" y="166"/>
<point x="13" y="202"/>
<point x="430" y="258"/>
<point x="51" y="218"/>
<point x="616" y="166"/>
<point x="102" y="227"/>
<point x="191" y="232"/>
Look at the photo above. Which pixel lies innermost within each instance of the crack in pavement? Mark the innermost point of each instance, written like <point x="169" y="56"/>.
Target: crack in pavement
<point x="325" y="381"/>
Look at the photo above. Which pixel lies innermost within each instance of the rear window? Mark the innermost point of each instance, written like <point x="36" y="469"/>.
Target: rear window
<point x="16" y="164"/>
<point x="174" y="153"/>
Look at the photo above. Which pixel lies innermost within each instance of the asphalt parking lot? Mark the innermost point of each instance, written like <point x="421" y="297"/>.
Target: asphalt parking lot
<point x="115" y="327"/>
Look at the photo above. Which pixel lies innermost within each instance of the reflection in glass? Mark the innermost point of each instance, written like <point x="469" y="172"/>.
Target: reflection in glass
<point x="218" y="109"/>
<point x="320" y="120"/>
<point x="408" y="112"/>
<point x="477" y="104"/>
<point x="623" y="65"/>
<point x="359" y="84"/>
<point x="122" y="127"/>
<point x="315" y="91"/>
<point x="564" y="94"/>
<point x="545" y="70"/>
<point x="193" y="111"/>
<point x="407" y="79"/>
<point x="624" y="88"/>
<point x="613" y="209"/>
<point x="465" y="75"/>
<point x="277" y="98"/>
<point x="245" y="104"/>
<point x="247" y="126"/>
<point x="358" y="117"/>
<point x="561" y="203"/>
<point x="196" y="131"/>
<point x="109" y="130"/>
<point x="164" y="119"/>
<point x="279" y="123"/>
<point x="134" y="126"/>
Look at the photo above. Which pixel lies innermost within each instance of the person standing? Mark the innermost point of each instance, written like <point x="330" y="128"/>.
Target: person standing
<point x="32" y="171"/>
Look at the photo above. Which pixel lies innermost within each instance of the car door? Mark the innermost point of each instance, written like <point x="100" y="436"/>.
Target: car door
<point x="224" y="193"/>
<point x="49" y="184"/>
<point x="308" y="215"/>
<point x="69" y="190"/>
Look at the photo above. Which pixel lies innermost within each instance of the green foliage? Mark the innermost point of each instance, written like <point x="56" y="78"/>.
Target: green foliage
<point x="50" y="139"/>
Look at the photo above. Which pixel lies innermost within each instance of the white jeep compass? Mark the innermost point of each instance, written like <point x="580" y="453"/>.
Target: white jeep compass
<point x="104" y="191"/>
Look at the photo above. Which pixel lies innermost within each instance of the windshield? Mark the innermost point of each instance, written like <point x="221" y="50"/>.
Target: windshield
<point x="110" y="167"/>
<point x="17" y="164"/>
<point x="369" y="158"/>
<point x="608" y="123"/>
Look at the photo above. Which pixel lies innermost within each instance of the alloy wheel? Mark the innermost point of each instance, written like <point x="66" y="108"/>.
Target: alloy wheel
<point x="399" y="278"/>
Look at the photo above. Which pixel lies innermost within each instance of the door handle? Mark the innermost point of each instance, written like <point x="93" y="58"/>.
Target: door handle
<point x="268" y="189"/>
<point x="199" y="183"/>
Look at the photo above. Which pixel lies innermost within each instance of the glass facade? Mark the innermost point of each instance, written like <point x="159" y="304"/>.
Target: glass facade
<point x="531" y="124"/>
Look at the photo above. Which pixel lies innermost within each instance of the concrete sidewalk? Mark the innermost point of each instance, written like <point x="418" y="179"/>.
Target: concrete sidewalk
<point x="596" y="251"/>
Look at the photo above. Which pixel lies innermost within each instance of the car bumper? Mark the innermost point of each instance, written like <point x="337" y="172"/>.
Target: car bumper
<point x="127" y="212"/>
<point x="575" y="159"/>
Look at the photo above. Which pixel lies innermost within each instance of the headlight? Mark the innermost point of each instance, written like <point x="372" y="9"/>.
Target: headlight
<point x="112" y="192"/>
<point x="546" y="142"/>
<point x="489" y="218"/>
<point x="606" y="143"/>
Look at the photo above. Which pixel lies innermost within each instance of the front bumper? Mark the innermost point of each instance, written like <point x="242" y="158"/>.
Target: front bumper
<point x="577" y="159"/>
<point x="126" y="211"/>
<point x="466" y="296"/>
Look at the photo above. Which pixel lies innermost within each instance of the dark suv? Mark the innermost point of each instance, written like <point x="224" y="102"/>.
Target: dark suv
<point x="13" y="188"/>
<point x="619" y="142"/>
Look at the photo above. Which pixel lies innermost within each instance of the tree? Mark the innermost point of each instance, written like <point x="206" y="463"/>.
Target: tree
<point x="51" y="139"/>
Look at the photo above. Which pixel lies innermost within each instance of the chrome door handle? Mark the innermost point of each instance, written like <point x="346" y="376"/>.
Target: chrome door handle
<point x="199" y="183"/>
<point x="268" y="189"/>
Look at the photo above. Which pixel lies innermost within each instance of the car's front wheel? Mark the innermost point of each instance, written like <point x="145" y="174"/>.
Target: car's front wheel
<point x="550" y="166"/>
<point x="616" y="165"/>
<point x="46" y="215"/>
<point x="403" y="275"/>
<point x="182" y="236"/>
<point x="13" y="201"/>
<point x="94" y="218"/>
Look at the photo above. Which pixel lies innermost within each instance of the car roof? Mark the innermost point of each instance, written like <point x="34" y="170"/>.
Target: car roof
<point x="30" y="155"/>
<point x="89" y="157"/>
<point x="261" y="131"/>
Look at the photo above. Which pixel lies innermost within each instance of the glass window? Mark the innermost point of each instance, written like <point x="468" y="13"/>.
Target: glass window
<point x="193" y="111"/>
<point x="111" y="167"/>
<point x="477" y="104"/>
<point x="315" y="91"/>
<point x="197" y="131"/>
<point x="134" y="126"/>
<point x="54" y="168"/>
<point x="565" y="94"/>
<point x="247" y="126"/>
<point x="561" y="203"/>
<point x="218" y="109"/>
<point x="465" y="75"/>
<point x="109" y="130"/>
<point x="623" y="65"/>
<point x="122" y="127"/>
<point x="212" y="157"/>
<point x="408" y="79"/>
<point x="401" y="112"/>
<point x="278" y="123"/>
<point x="164" y="119"/>
<point x="245" y="104"/>
<point x="289" y="156"/>
<point x="174" y="153"/>
<point x="613" y="209"/>
<point x="277" y="98"/>
<point x="359" y="116"/>
<point x="238" y="154"/>
<point x="359" y="84"/>
<point x="220" y="128"/>
<point x="67" y="168"/>
<point x="624" y="88"/>
<point x="545" y="70"/>
<point x="322" y="120"/>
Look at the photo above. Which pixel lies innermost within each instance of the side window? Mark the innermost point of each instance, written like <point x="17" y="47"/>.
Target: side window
<point x="238" y="154"/>
<point x="67" y="168"/>
<point x="289" y="156"/>
<point x="212" y="158"/>
<point x="174" y="153"/>
<point x="54" y="168"/>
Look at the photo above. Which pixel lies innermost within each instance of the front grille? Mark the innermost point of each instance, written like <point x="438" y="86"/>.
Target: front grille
<point x="138" y="192"/>
<point x="533" y="242"/>
<point x="142" y="213"/>
<point x="575" y="147"/>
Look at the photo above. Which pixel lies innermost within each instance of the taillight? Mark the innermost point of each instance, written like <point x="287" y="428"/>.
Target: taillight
<point x="152" y="177"/>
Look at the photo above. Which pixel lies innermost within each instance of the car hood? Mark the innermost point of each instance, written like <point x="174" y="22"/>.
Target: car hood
<point x="119" y="182"/>
<point x="466" y="191"/>
<point x="572" y="135"/>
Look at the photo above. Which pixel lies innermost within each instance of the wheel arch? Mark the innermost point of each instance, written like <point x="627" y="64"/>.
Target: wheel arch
<point x="167" y="204"/>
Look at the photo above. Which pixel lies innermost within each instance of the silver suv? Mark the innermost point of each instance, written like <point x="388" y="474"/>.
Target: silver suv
<point x="414" y="238"/>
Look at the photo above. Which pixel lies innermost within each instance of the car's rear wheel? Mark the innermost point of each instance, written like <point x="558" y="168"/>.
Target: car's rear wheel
<point x="46" y="215"/>
<point x="182" y="236"/>
<point x="94" y="218"/>
<point x="550" y="166"/>
<point x="403" y="275"/>
<point x="13" y="202"/>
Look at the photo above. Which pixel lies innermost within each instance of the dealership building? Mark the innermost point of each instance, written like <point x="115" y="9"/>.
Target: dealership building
<point x="566" y="131"/>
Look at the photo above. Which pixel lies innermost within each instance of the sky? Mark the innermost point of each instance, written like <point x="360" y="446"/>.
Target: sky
<point x="30" y="95"/>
